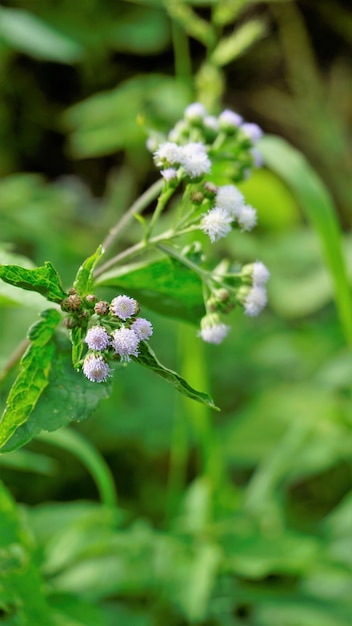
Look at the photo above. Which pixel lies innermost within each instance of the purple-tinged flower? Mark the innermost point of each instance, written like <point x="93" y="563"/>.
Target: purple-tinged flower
<point x="211" y="123"/>
<point x="95" y="368"/>
<point x="260" y="274"/>
<point x="97" y="338"/>
<point x="168" y="153"/>
<point x="216" y="223"/>
<point x="195" y="160"/>
<point x="229" y="119"/>
<point x="124" y="307"/>
<point x="143" y="328"/>
<point x="230" y="198"/>
<point x="253" y="131"/>
<point x="255" y="301"/>
<point x="125" y="343"/>
<point x="195" y="112"/>
<point x="247" y="218"/>
<point x="212" y="329"/>
<point x="169" y="174"/>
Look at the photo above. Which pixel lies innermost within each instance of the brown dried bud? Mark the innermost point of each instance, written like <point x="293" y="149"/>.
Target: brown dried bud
<point x="197" y="197"/>
<point x="91" y="300"/>
<point x="70" y="322"/>
<point x="71" y="303"/>
<point x="102" y="307"/>
<point x="210" y="189"/>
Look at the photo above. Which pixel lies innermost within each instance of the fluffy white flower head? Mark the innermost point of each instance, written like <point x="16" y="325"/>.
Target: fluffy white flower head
<point x="253" y="131"/>
<point x="195" y="160"/>
<point x="212" y="330"/>
<point x="168" y="153"/>
<point x="195" y="112"/>
<point x="228" y="197"/>
<point x="97" y="338"/>
<point x="229" y="119"/>
<point x="211" y="122"/>
<point x="260" y="274"/>
<point x="247" y="218"/>
<point x="216" y="223"/>
<point x="125" y="343"/>
<point x="255" y="300"/>
<point x="169" y="174"/>
<point x="95" y="368"/>
<point x="143" y="328"/>
<point x="124" y="307"/>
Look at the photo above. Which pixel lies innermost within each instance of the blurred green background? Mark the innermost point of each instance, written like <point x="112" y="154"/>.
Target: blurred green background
<point x="241" y="518"/>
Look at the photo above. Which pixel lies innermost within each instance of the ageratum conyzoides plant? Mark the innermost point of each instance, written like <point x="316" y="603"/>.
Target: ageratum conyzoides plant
<point x="76" y="348"/>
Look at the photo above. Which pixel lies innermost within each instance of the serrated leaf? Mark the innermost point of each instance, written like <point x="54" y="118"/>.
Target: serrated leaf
<point x="148" y="359"/>
<point x="84" y="281"/>
<point x="69" y="397"/>
<point x="45" y="280"/>
<point x="164" y="285"/>
<point x="32" y="378"/>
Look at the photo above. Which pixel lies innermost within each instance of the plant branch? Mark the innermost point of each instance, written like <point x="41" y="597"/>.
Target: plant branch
<point x="137" y="207"/>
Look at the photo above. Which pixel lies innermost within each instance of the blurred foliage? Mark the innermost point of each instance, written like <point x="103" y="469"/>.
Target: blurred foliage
<point x="244" y="518"/>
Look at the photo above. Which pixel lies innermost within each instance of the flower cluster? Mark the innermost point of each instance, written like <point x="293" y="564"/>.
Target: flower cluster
<point x="196" y="150"/>
<point x="115" y="332"/>
<point x="199" y="139"/>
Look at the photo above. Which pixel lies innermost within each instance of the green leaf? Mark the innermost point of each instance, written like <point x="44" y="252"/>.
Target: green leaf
<point x="84" y="281"/>
<point x="32" y="378"/>
<point x="21" y="588"/>
<point x="10" y="295"/>
<point x="164" y="285"/>
<point x="148" y="359"/>
<point x="69" y="397"/>
<point x="318" y="207"/>
<point x="43" y="279"/>
<point x="236" y="44"/>
<point x="30" y="34"/>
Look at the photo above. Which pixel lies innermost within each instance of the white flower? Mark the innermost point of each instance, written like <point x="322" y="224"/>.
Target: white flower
<point x="216" y="223"/>
<point x="211" y="122"/>
<point x="253" y="131"/>
<point x="168" y="153"/>
<point x="228" y="197"/>
<point x="260" y="274"/>
<point x="212" y="330"/>
<point x="247" y="218"/>
<point x="195" y="160"/>
<point x="143" y="328"/>
<point x="125" y="343"/>
<point x="97" y="338"/>
<point x="255" y="300"/>
<point x="124" y="307"/>
<point x="195" y="112"/>
<point x="169" y="174"/>
<point x="228" y="119"/>
<point x="95" y="368"/>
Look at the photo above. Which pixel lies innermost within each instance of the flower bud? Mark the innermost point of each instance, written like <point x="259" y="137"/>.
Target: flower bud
<point x="102" y="307"/>
<point x="91" y="300"/>
<point x="71" y="303"/>
<point x="197" y="197"/>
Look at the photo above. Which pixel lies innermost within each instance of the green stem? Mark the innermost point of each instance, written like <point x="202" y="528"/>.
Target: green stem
<point x="75" y="443"/>
<point x="142" y="246"/>
<point x="137" y="207"/>
<point x="163" y="200"/>
<point x="182" y="57"/>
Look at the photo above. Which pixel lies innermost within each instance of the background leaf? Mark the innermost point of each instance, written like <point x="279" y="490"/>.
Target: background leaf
<point x="30" y="34"/>
<point x="317" y="205"/>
